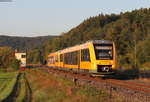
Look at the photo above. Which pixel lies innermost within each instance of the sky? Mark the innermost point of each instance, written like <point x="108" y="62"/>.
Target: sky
<point x="53" y="17"/>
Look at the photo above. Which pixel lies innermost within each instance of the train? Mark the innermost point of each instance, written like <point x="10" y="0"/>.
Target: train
<point x="96" y="57"/>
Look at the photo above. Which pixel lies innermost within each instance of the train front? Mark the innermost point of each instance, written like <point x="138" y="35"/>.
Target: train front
<point x="104" y="57"/>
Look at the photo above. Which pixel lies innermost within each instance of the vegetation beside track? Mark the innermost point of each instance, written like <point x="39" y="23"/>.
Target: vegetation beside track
<point x="7" y="83"/>
<point x="49" y="88"/>
<point x="8" y="62"/>
<point x="14" y="87"/>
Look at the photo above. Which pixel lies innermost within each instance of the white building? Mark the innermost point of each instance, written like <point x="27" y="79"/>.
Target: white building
<point x="22" y="58"/>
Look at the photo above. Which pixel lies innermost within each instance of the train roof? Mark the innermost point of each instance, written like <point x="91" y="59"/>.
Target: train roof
<point x="85" y="45"/>
<point x="101" y="41"/>
<point x="82" y="46"/>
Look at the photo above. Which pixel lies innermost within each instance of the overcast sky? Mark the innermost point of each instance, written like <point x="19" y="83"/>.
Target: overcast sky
<point x="52" y="17"/>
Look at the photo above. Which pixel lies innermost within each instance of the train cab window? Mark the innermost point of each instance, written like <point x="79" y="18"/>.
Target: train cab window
<point x="104" y="51"/>
<point x="85" y="55"/>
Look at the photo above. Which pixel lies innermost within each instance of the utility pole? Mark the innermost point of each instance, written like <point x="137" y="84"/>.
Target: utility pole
<point x="135" y="47"/>
<point x="135" y="51"/>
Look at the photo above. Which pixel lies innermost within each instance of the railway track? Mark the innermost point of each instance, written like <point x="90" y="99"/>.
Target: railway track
<point x="131" y="85"/>
<point x="136" y="86"/>
<point x="129" y="90"/>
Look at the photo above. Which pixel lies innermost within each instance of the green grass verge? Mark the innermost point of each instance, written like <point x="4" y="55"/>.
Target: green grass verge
<point x="8" y="80"/>
<point x="48" y="88"/>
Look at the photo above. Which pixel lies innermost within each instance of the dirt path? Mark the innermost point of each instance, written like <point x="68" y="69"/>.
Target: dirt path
<point x="16" y="91"/>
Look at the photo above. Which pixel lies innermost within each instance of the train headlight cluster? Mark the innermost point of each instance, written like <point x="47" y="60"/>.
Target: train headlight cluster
<point x="106" y="69"/>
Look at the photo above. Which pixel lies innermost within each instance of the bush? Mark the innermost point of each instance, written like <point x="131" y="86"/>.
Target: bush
<point x="15" y="64"/>
<point x="7" y="59"/>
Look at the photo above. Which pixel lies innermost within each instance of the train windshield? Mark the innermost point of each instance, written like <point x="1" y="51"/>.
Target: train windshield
<point x="104" y="51"/>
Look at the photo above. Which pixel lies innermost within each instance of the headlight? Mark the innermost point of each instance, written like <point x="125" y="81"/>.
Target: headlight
<point x="113" y="66"/>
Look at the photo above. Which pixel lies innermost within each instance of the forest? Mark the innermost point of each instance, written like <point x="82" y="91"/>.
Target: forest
<point x="23" y="43"/>
<point x="130" y="31"/>
<point x="10" y="44"/>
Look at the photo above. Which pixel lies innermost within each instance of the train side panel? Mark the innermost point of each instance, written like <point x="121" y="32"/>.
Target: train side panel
<point x="86" y="57"/>
<point x="114" y="64"/>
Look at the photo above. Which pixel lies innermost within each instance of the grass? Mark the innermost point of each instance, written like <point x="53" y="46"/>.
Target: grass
<point x="7" y="82"/>
<point x="48" y="88"/>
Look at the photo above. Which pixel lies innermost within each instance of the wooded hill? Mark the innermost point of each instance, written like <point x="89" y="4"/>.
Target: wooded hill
<point x="23" y="43"/>
<point x="130" y="31"/>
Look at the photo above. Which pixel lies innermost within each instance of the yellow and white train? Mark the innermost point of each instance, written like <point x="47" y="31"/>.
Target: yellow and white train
<point x="95" y="57"/>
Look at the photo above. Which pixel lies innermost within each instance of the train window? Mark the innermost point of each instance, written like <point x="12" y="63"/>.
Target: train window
<point x="51" y="60"/>
<point x="23" y="56"/>
<point x="75" y="58"/>
<point x="85" y="55"/>
<point x="66" y="58"/>
<point x="56" y="58"/>
<point x="71" y="58"/>
<point x="61" y="57"/>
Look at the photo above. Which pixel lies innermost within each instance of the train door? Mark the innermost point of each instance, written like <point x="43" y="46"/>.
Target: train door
<point x="78" y="59"/>
<point x="85" y="63"/>
<point x="61" y="60"/>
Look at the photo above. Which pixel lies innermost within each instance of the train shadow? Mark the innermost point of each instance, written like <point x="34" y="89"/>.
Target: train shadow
<point x="131" y="74"/>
